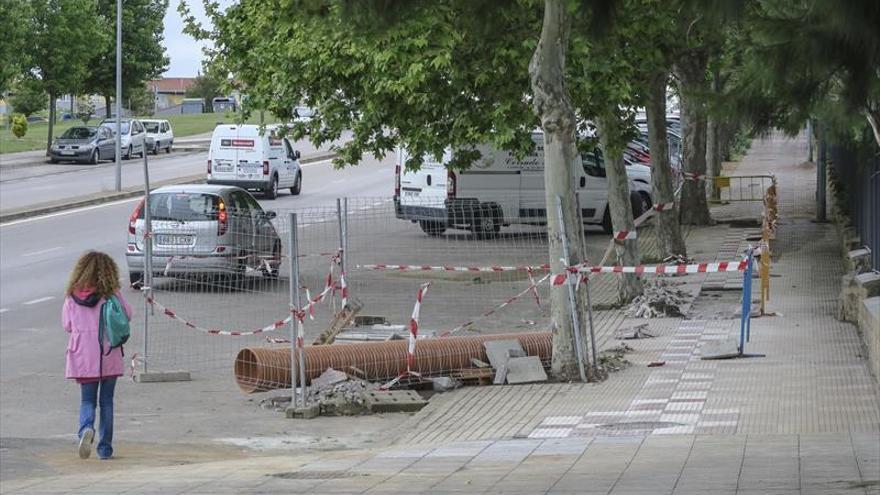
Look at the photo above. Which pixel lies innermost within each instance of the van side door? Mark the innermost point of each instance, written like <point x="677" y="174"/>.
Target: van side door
<point x="289" y="163"/>
<point x="592" y="186"/>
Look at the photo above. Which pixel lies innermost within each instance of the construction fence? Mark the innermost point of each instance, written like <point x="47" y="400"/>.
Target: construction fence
<point x="276" y="283"/>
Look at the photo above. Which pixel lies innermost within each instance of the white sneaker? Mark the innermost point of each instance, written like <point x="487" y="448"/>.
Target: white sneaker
<point x="85" y="443"/>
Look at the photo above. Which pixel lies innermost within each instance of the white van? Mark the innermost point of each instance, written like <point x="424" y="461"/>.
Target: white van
<point x="253" y="158"/>
<point x="500" y="190"/>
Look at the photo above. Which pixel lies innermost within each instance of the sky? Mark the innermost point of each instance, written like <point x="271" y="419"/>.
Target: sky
<point x="185" y="53"/>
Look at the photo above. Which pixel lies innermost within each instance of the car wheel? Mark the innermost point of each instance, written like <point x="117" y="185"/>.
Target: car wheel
<point x="606" y="221"/>
<point x="271" y="192"/>
<point x="168" y="149"/>
<point x="53" y="160"/>
<point x="297" y="186"/>
<point x="432" y="228"/>
<point x="94" y="158"/>
<point x="127" y="155"/>
<point x="136" y="279"/>
<point x="156" y="149"/>
<point x="487" y="224"/>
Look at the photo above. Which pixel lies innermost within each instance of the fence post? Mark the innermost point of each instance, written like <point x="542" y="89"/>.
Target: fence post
<point x="148" y="258"/>
<point x="575" y="320"/>
<point x="595" y="364"/>
<point x="345" y="235"/>
<point x="293" y="256"/>
<point x="746" y="320"/>
<point x="821" y="174"/>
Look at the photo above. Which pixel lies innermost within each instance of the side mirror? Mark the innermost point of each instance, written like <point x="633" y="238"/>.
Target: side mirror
<point x="269" y="214"/>
<point x="296" y="155"/>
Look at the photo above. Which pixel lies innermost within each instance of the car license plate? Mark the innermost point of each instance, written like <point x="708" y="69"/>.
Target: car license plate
<point x="174" y="240"/>
<point x="223" y="166"/>
<point x="248" y="171"/>
<point x="68" y="153"/>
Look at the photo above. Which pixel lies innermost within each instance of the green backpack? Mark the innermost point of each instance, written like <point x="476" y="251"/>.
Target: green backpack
<point x="114" y="327"/>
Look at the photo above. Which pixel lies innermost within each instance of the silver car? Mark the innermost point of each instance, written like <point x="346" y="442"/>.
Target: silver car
<point x="134" y="137"/>
<point x="200" y="229"/>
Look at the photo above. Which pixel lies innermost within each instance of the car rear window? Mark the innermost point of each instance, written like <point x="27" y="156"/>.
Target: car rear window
<point x="152" y="127"/>
<point x="184" y="207"/>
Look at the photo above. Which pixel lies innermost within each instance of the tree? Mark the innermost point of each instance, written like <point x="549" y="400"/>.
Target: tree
<point x="143" y="55"/>
<point x="62" y="41"/>
<point x="434" y="75"/>
<point x="206" y="86"/>
<point x="19" y="125"/>
<point x="140" y="100"/>
<point x="85" y="109"/>
<point x="13" y="24"/>
<point x="28" y="97"/>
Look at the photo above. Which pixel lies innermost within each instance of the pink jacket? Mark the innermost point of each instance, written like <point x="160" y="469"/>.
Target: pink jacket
<point x="81" y="322"/>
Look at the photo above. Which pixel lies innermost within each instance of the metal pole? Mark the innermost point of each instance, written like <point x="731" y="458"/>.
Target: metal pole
<point x="566" y="261"/>
<point x="119" y="95"/>
<point x="148" y="259"/>
<point x="820" y="175"/>
<point x="345" y="235"/>
<point x="292" y="254"/>
<point x="341" y="233"/>
<point x="595" y="364"/>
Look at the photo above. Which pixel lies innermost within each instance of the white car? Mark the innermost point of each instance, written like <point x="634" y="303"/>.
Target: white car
<point x="134" y="141"/>
<point x="160" y="136"/>
<point x="253" y="158"/>
<point x="501" y="189"/>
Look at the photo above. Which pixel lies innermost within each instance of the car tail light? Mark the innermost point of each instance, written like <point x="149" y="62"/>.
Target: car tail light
<point x="209" y="167"/>
<point x="450" y="185"/>
<point x="222" y="217"/>
<point x="134" y="216"/>
<point x="397" y="181"/>
<point x="266" y="167"/>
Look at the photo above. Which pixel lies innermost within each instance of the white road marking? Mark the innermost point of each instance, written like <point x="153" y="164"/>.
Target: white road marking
<point x="39" y="300"/>
<point x="42" y="251"/>
<point x="3" y="310"/>
<point x="319" y="162"/>
<point x="70" y="212"/>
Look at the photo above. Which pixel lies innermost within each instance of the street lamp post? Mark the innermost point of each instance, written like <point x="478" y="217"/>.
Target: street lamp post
<point x="118" y="95"/>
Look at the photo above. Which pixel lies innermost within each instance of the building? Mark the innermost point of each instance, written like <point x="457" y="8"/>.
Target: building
<point x="170" y="91"/>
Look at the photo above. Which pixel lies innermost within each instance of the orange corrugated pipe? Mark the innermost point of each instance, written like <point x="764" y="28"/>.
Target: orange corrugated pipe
<point x="258" y="369"/>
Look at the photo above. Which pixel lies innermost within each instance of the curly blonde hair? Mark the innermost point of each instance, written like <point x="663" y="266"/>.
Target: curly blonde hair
<point x="94" y="270"/>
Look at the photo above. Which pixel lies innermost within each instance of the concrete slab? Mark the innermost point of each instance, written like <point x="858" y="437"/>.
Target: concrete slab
<point x="379" y="401"/>
<point x="163" y="376"/>
<point x="525" y="370"/>
<point x="720" y="349"/>
<point x="329" y="378"/>
<point x="308" y="412"/>
<point x="499" y="351"/>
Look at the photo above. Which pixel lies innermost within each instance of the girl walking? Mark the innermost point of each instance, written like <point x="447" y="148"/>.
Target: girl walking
<point x="90" y="361"/>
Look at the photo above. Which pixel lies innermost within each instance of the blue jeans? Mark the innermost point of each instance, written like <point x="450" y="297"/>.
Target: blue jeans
<point x="91" y="398"/>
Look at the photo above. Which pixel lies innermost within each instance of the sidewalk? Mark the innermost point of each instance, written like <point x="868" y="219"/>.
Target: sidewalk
<point x="803" y="419"/>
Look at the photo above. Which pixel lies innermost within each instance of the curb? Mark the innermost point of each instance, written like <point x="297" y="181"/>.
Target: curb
<point x="45" y="208"/>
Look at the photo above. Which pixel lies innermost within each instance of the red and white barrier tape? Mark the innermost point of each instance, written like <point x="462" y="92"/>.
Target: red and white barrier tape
<point x="493" y="310"/>
<point x="723" y="266"/>
<point x="414" y="326"/>
<point x="430" y="268"/>
<point x="534" y="287"/>
<point x="693" y="176"/>
<point x="624" y="235"/>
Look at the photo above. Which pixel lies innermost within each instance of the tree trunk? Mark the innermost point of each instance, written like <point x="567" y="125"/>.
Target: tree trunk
<point x="873" y="115"/>
<point x="666" y="221"/>
<point x="691" y="71"/>
<point x="713" y="155"/>
<point x="51" y="121"/>
<point x="629" y="286"/>
<point x="553" y="106"/>
<point x="107" y="106"/>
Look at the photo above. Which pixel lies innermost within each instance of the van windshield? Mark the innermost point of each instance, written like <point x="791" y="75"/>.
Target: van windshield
<point x="152" y="127"/>
<point x="183" y="207"/>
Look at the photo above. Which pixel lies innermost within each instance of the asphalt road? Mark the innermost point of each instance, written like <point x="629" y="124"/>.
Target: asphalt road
<point x="41" y="183"/>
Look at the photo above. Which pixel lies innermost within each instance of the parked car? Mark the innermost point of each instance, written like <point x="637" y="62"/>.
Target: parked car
<point x="86" y="144"/>
<point x="200" y="229"/>
<point x="253" y="158"/>
<point x="133" y="136"/>
<point x="160" y="136"/>
<point x="501" y="189"/>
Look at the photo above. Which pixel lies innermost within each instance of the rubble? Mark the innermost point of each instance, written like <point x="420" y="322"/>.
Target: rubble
<point x="659" y="299"/>
<point x="614" y="359"/>
<point x="636" y="332"/>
